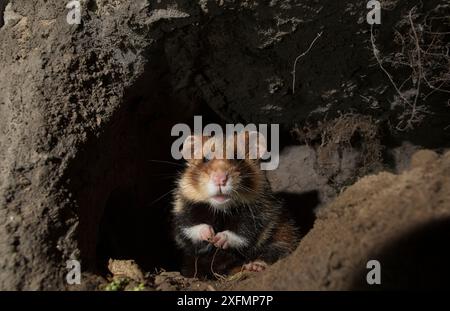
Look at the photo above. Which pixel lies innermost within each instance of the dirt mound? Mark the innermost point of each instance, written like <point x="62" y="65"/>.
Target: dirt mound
<point x="403" y="221"/>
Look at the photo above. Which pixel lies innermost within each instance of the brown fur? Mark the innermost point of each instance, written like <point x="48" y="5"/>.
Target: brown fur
<point x="198" y="172"/>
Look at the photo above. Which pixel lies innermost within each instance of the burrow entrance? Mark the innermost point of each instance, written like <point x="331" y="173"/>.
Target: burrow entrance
<point x="123" y="178"/>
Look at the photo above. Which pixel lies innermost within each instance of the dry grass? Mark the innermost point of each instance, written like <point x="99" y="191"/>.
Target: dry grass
<point x="331" y="137"/>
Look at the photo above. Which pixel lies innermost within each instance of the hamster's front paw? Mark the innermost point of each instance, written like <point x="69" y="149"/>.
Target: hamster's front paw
<point x="221" y="240"/>
<point x="206" y="233"/>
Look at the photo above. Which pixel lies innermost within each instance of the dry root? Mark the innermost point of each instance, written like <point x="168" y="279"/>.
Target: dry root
<point x="423" y="50"/>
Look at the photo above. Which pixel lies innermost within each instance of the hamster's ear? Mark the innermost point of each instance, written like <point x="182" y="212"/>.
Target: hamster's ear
<point x="192" y="148"/>
<point x="254" y="144"/>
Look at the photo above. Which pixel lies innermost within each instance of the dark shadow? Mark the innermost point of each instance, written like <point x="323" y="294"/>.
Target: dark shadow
<point x="301" y="208"/>
<point x="419" y="260"/>
<point x="130" y="230"/>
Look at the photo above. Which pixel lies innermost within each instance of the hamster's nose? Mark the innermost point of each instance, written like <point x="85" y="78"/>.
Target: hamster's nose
<point x="220" y="178"/>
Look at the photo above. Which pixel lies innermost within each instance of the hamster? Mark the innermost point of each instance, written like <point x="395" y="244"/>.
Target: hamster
<point x="225" y="216"/>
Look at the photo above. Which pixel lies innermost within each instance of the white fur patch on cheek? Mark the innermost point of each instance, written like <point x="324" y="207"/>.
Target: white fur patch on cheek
<point x="212" y="188"/>
<point x="234" y="240"/>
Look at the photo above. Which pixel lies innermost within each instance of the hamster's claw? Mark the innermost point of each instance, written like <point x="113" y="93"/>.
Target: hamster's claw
<point x="207" y="233"/>
<point x="221" y="240"/>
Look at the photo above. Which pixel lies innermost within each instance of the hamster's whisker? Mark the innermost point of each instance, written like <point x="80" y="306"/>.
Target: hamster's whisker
<point x="245" y="188"/>
<point x="161" y="197"/>
<point x="241" y="187"/>
<point x="167" y="162"/>
<point x="163" y="175"/>
<point x="236" y="193"/>
<point x="250" y="174"/>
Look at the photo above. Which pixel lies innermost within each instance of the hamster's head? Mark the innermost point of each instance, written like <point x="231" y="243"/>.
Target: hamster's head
<point x="223" y="179"/>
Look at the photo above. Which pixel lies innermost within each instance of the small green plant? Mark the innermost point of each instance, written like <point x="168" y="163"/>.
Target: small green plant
<point x="116" y="284"/>
<point x="139" y="288"/>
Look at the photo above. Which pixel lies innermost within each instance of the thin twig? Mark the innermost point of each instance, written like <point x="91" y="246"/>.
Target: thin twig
<point x="161" y="197"/>
<point x="216" y="275"/>
<point x="300" y="56"/>
<point x="195" y="266"/>
<point x="380" y="63"/>
<point x="419" y="65"/>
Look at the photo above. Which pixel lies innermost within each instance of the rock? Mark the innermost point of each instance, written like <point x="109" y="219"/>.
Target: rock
<point x="126" y="268"/>
<point x="297" y="173"/>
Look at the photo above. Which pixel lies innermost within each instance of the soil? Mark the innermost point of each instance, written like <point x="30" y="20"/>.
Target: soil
<point x="86" y="112"/>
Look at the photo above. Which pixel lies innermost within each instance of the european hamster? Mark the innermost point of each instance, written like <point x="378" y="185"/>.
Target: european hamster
<point x="228" y="204"/>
